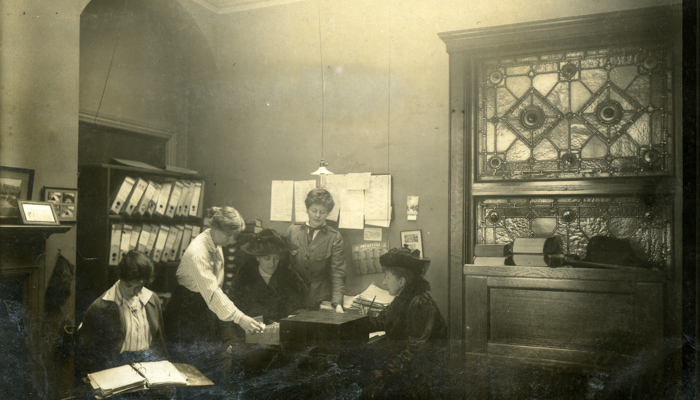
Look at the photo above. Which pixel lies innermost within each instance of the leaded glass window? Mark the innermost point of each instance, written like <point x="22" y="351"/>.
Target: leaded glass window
<point x="571" y="115"/>
<point x="647" y="224"/>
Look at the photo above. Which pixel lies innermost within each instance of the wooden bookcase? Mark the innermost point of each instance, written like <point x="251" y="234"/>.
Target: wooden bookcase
<point x="98" y="184"/>
<point x="571" y="128"/>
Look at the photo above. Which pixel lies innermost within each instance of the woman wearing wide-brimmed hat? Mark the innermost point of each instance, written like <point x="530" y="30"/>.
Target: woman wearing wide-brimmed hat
<point x="416" y="334"/>
<point x="266" y="285"/>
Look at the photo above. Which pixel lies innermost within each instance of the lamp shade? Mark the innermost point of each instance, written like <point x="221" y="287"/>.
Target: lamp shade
<point x="322" y="170"/>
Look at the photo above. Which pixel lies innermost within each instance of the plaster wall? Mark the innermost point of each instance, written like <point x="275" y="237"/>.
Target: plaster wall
<point x="362" y="84"/>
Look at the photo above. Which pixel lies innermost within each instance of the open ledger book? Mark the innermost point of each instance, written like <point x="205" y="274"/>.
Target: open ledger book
<point x="144" y="375"/>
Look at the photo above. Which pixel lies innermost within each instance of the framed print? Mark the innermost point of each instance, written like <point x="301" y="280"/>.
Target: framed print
<point x="414" y="240"/>
<point x="15" y="184"/>
<point x="63" y="200"/>
<point x="37" y="213"/>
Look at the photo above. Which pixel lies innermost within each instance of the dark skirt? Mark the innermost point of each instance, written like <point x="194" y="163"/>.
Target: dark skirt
<point x="189" y="320"/>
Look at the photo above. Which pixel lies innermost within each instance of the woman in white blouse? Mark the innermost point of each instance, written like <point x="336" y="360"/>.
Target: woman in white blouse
<point x="198" y="305"/>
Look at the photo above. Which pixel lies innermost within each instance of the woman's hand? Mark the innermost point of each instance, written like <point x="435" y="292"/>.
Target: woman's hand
<point x="339" y="308"/>
<point x="250" y="325"/>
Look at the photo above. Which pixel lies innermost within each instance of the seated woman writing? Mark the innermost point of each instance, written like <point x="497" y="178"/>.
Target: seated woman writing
<point x="266" y="285"/>
<point x="125" y="324"/>
<point x="412" y="353"/>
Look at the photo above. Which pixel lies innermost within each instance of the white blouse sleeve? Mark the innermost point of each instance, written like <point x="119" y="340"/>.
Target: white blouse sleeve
<point x="200" y="274"/>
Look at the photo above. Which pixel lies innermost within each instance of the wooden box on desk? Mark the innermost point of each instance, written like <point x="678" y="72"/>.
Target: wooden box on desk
<point x="322" y="328"/>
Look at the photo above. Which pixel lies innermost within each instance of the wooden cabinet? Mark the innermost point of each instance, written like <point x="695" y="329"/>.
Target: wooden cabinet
<point x="568" y="128"/>
<point x="99" y="185"/>
<point x="537" y="332"/>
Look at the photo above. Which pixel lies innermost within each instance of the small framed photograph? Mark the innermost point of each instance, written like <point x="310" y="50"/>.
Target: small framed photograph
<point x="37" y="213"/>
<point x="64" y="202"/>
<point x="414" y="240"/>
<point x="15" y="184"/>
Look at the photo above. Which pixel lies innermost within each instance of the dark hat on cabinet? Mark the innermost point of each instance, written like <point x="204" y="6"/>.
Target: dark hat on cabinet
<point x="404" y="257"/>
<point x="267" y="241"/>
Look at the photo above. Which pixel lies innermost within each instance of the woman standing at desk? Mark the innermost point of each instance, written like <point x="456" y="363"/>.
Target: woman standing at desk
<point x="416" y="333"/>
<point x="319" y="258"/>
<point x="198" y="304"/>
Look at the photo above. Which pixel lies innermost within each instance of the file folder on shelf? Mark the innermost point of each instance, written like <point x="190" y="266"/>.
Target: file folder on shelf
<point x="195" y="232"/>
<point x="174" y="199"/>
<point x="194" y="203"/>
<point x="135" y="233"/>
<point x="169" y="243"/>
<point x="144" y="238"/>
<point x="135" y="196"/>
<point x="183" y="206"/>
<point x="163" y="232"/>
<point x="142" y="207"/>
<point x="152" y="241"/>
<point x="175" y="251"/>
<point x="126" y="239"/>
<point x="154" y="199"/>
<point x="115" y="244"/>
<point x="186" y="238"/>
<point x="163" y="197"/>
<point x="122" y="194"/>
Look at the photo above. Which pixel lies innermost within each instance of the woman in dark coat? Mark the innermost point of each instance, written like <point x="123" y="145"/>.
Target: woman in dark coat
<point x="413" y="349"/>
<point x="125" y="324"/>
<point x="319" y="256"/>
<point x="266" y="285"/>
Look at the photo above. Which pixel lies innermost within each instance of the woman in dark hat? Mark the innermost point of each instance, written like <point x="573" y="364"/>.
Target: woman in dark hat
<point x="266" y="285"/>
<point x="416" y="334"/>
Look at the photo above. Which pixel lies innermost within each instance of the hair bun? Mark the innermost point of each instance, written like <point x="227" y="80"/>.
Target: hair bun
<point x="213" y="210"/>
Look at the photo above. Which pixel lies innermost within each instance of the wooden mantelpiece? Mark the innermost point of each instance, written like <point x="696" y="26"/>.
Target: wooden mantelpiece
<point x="22" y="290"/>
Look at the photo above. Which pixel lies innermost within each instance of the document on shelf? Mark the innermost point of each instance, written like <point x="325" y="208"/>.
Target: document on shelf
<point x="281" y="201"/>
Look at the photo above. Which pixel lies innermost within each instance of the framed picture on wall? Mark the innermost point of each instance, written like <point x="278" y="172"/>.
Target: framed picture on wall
<point x="414" y="240"/>
<point x="37" y="213"/>
<point x="63" y="200"/>
<point x="15" y="184"/>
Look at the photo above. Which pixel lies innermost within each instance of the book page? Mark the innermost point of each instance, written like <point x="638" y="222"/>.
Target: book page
<point x="281" y="201"/>
<point x="112" y="379"/>
<point x="160" y="373"/>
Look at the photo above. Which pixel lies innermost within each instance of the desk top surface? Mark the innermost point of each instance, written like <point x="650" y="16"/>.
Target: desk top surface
<point x="323" y="317"/>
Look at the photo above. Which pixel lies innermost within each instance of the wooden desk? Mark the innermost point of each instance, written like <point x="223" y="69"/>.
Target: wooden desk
<point x="534" y="332"/>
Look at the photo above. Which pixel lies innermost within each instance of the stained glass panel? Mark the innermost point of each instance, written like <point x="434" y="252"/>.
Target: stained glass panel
<point x="607" y="107"/>
<point x="576" y="220"/>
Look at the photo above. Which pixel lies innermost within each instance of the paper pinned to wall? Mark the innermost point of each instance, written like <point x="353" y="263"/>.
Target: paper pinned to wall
<point x="352" y="213"/>
<point x="335" y="184"/>
<point x="384" y="223"/>
<point x="281" y="201"/>
<point x="358" y="181"/>
<point x="378" y="198"/>
<point x="301" y="189"/>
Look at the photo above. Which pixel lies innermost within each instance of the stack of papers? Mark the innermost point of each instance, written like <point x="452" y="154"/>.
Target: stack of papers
<point x="372" y="301"/>
<point x="138" y="376"/>
<point x="113" y="381"/>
